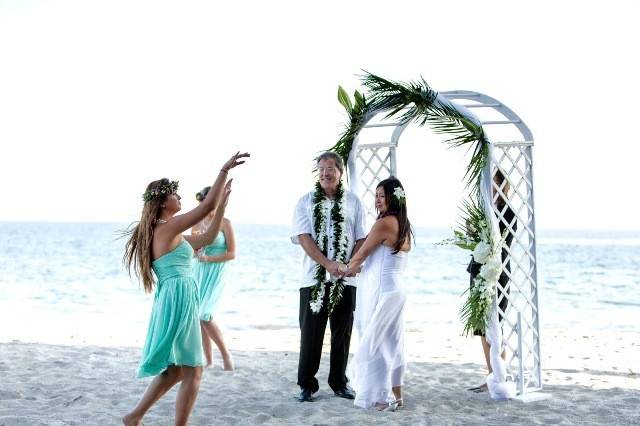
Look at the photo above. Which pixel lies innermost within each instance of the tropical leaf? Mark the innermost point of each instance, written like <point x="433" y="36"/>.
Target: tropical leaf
<point x="472" y="315"/>
<point x="358" y="97"/>
<point x="344" y="100"/>
<point x="395" y="96"/>
<point x="357" y="116"/>
<point x="417" y="102"/>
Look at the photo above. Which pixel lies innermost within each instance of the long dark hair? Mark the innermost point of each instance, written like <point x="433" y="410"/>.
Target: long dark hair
<point x="137" y="250"/>
<point x="396" y="207"/>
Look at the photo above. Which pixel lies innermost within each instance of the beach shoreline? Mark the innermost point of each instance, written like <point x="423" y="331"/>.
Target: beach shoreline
<point x="73" y="331"/>
<point x="591" y="378"/>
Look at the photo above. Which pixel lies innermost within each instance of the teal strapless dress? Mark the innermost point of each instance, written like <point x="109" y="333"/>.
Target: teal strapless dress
<point x="209" y="276"/>
<point x="173" y="337"/>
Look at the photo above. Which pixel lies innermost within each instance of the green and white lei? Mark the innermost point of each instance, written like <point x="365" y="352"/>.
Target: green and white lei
<point x="340" y="245"/>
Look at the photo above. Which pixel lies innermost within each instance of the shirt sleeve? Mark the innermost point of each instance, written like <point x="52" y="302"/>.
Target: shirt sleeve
<point x="360" y="220"/>
<point x="301" y="220"/>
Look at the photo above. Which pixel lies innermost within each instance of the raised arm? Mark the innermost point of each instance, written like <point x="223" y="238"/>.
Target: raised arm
<point x="356" y="247"/>
<point x="212" y="231"/>
<point x="197" y="228"/>
<point x="229" y="236"/>
<point x="380" y="232"/>
<point x="180" y="223"/>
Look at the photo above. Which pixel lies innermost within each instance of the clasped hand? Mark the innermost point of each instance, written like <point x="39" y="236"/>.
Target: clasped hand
<point x="341" y="270"/>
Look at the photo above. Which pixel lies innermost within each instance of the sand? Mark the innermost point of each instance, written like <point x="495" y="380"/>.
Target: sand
<point x="592" y="378"/>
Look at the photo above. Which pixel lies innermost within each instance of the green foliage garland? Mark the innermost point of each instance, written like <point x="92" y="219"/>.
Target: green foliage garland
<point x="417" y="102"/>
<point x="340" y="245"/>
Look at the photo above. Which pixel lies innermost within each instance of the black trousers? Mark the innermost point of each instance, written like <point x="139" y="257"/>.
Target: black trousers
<point x="312" y="328"/>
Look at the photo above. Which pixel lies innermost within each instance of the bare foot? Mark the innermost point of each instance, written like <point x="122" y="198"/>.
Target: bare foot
<point x="209" y="361"/>
<point x="129" y="420"/>
<point x="228" y="363"/>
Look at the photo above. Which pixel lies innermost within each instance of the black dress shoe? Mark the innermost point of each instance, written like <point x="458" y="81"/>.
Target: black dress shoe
<point x="305" y="395"/>
<point x="346" y="393"/>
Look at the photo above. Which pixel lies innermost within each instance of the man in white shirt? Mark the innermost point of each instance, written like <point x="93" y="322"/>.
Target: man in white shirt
<point x="339" y="229"/>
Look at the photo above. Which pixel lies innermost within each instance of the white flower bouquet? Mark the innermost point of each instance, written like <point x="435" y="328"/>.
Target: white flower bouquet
<point x="476" y="236"/>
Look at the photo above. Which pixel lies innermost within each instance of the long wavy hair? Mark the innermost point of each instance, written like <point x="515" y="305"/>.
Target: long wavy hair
<point x="137" y="252"/>
<point x="397" y="208"/>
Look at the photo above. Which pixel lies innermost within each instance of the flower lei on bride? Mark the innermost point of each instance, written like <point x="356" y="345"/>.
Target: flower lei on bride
<point x="340" y="243"/>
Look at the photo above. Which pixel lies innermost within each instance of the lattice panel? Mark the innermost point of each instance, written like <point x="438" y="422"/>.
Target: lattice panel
<point x="376" y="161"/>
<point x="373" y="164"/>
<point x="520" y="265"/>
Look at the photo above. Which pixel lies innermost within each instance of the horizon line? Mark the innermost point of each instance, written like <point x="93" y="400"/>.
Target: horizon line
<point x="288" y="224"/>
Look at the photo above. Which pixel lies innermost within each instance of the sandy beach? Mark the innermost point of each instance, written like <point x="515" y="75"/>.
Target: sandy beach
<point x="100" y="99"/>
<point x="592" y="378"/>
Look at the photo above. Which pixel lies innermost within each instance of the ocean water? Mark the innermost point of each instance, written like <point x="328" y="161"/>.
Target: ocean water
<point x="66" y="280"/>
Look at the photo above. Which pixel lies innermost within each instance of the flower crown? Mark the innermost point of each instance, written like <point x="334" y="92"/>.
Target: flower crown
<point x="166" y="187"/>
<point x="399" y="194"/>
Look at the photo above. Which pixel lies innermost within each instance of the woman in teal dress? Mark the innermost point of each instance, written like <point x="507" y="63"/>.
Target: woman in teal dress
<point x="173" y="348"/>
<point x="208" y="270"/>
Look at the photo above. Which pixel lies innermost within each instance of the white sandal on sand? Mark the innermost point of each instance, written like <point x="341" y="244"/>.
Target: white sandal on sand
<point x="389" y="406"/>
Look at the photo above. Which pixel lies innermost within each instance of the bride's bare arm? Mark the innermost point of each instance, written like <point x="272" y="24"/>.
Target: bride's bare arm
<point x="378" y="235"/>
<point x="353" y="252"/>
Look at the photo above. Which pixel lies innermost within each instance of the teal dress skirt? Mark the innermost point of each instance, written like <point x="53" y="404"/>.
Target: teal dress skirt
<point x="209" y="276"/>
<point x="173" y="337"/>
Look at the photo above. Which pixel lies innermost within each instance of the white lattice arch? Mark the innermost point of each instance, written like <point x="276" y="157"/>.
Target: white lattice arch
<point x="511" y="145"/>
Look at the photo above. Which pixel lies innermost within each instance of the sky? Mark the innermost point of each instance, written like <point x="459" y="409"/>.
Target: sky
<point x="99" y="98"/>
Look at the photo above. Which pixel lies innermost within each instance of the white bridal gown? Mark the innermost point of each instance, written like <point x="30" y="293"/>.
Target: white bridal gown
<point x="379" y="363"/>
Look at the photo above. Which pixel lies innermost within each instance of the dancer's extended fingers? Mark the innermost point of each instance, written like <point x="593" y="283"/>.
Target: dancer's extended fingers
<point x="234" y="160"/>
<point x="238" y="156"/>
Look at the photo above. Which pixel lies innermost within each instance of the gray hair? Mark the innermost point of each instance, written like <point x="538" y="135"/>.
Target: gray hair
<point x="333" y="156"/>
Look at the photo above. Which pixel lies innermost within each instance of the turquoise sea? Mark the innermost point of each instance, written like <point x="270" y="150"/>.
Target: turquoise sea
<point x="66" y="280"/>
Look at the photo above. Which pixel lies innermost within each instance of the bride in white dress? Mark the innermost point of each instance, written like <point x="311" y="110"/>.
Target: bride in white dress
<point x="377" y="369"/>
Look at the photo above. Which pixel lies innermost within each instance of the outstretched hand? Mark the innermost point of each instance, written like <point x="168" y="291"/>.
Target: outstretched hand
<point x="235" y="161"/>
<point x="226" y="192"/>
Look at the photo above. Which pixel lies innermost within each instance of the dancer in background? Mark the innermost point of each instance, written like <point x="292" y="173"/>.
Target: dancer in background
<point x="208" y="270"/>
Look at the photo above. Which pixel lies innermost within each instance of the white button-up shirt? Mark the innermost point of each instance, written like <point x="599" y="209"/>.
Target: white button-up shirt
<point x="303" y="224"/>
